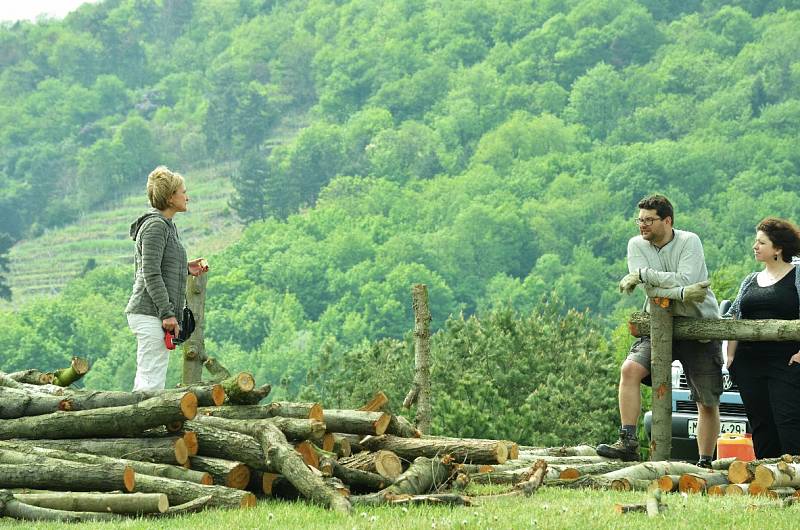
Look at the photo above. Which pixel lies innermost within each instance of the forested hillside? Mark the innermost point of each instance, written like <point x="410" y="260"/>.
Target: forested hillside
<point x="494" y="150"/>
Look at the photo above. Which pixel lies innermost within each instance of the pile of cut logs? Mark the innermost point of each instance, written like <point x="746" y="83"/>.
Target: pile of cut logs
<point x="68" y="454"/>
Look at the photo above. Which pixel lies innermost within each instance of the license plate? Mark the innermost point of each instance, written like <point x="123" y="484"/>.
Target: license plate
<point x="732" y="427"/>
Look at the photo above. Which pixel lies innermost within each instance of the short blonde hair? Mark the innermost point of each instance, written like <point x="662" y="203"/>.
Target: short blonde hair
<point x="162" y="184"/>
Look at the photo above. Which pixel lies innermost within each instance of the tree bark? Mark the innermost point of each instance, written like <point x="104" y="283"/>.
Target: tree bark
<point x="461" y="450"/>
<point x="15" y="403"/>
<point x="721" y="329"/>
<point x="160" y="450"/>
<point x="668" y="483"/>
<point x="218" y="372"/>
<point x="112" y="421"/>
<point x="644" y="471"/>
<point x="60" y="474"/>
<point x="564" y="451"/>
<point x="572" y="472"/>
<point x="312" y="411"/>
<point x="740" y="472"/>
<point x="194" y="349"/>
<point x="224" y="472"/>
<point x="356" y="421"/>
<point x="421" y="476"/>
<point x="357" y="479"/>
<point x="399" y="426"/>
<point x="384" y="463"/>
<point x="145" y="468"/>
<point x="341" y="446"/>
<point x="180" y="492"/>
<point x="132" y="503"/>
<point x="661" y="374"/>
<point x="76" y="370"/>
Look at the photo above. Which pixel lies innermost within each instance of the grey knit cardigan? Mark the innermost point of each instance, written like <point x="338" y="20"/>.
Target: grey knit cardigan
<point x="159" y="285"/>
<point x="736" y="308"/>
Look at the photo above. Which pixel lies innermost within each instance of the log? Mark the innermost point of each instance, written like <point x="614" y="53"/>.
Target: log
<point x="310" y="456"/>
<point x="60" y="474"/>
<point x="741" y="472"/>
<point x="399" y="426"/>
<point x="32" y="377"/>
<point x="757" y="490"/>
<point x="718" y="490"/>
<point x="356" y="421"/>
<point x="773" y="476"/>
<point x="228" y="445"/>
<point x="512" y="448"/>
<point x="723" y="464"/>
<point x="737" y="489"/>
<point x="224" y="472"/>
<point x="668" y="483"/>
<point x="15" y="403"/>
<point x="194" y="349"/>
<point x="661" y="374"/>
<point x="644" y="471"/>
<point x="159" y="450"/>
<point x="76" y="370"/>
<point x="341" y="445"/>
<point x="286" y="409"/>
<point x="700" y="482"/>
<point x="420" y="477"/>
<point x="511" y="476"/>
<point x="354" y="440"/>
<point x="11" y="507"/>
<point x="194" y="505"/>
<point x="721" y="329"/>
<point x="284" y="459"/>
<point x="575" y="471"/>
<point x="376" y="403"/>
<point x="180" y="492"/>
<point x="112" y="421"/>
<point x="384" y="463"/>
<point x="255" y="396"/>
<point x="462" y="450"/>
<point x="564" y="451"/>
<point x="357" y="479"/>
<point x="146" y="468"/>
<point x="207" y="396"/>
<point x="238" y="385"/>
<point x="192" y="445"/>
<point x="133" y="503"/>
<point x="293" y="428"/>
<point x="631" y="484"/>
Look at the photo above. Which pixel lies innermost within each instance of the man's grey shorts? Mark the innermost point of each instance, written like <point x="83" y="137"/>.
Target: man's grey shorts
<point x="701" y="361"/>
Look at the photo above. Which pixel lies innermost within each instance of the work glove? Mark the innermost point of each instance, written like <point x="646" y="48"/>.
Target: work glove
<point x="696" y="292"/>
<point x="629" y="282"/>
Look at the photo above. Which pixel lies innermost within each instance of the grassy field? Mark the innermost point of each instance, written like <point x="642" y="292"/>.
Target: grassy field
<point x="548" y="508"/>
<point x="43" y="265"/>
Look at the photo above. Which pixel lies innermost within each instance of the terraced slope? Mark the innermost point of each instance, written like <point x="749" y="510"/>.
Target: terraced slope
<point x="43" y="265"/>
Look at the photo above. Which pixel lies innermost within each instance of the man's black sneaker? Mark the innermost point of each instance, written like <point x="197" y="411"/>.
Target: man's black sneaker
<point x="704" y="463"/>
<point x="625" y="449"/>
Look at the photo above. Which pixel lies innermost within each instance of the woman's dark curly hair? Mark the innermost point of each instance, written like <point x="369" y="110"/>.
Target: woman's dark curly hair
<point x="783" y="234"/>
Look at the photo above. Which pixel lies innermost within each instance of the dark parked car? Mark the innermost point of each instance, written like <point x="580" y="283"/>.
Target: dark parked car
<point x="733" y="418"/>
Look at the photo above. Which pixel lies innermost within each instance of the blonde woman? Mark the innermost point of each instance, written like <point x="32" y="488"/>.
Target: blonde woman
<point x="159" y="286"/>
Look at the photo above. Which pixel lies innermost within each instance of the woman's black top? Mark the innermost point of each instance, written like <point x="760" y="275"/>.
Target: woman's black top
<point x="777" y="301"/>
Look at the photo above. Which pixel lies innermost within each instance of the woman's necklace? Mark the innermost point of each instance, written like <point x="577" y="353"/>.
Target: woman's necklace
<point x="774" y="277"/>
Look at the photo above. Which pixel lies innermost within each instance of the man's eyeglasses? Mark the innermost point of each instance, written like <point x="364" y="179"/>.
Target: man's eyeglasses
<point x="647" y="221"/>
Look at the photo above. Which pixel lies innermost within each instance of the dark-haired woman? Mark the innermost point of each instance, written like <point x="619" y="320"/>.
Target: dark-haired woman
<point x="768" y="373"/>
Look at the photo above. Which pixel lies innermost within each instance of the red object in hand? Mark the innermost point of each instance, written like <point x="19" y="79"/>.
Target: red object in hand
<point x="168" y="336"/>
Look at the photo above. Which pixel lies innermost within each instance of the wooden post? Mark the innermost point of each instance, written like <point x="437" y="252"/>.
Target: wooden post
<point x="421" y="391"/>
<point x="661" y="374"/>
<point x="194" y="349"/>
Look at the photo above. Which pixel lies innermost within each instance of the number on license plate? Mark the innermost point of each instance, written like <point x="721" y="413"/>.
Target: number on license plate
<point x="732" y="427"/>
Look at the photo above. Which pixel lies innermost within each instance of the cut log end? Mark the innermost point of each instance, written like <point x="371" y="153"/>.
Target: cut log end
<point x="690" y="484"/>
<point x="501" y="452"/>
<point x="238" y="478"/>
<point x="218" y="394"/>
<point x="382" y="423"/>
<point x="245" y="381"/>
<point x="192" y="445"/>
<point x="328" y="442"/>
<point x="207" y="480"/>
<point x="129" y="479"/>
<point x="189" y="405"/>
<point x="80" y="365"/>
<point x="738" y="473"/>
<point x="267" y="480"/>
<point x="181" y="451"/>
<point x="764" y="477"/>
<point x="569" y="474"/>
<point x="388" y="464"/>
<point x="248" y="501"/>
<point x="315" y="412"/>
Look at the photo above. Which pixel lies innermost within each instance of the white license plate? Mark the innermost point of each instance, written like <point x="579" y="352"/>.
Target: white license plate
<point x="732" y="427"/>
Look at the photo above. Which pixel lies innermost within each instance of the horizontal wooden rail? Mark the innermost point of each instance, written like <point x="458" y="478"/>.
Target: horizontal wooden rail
<point x="721" y="329"/>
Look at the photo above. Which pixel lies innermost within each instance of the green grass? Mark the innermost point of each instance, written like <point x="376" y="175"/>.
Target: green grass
<point x="43" y="265"/>
<point x="548" y="508"/>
